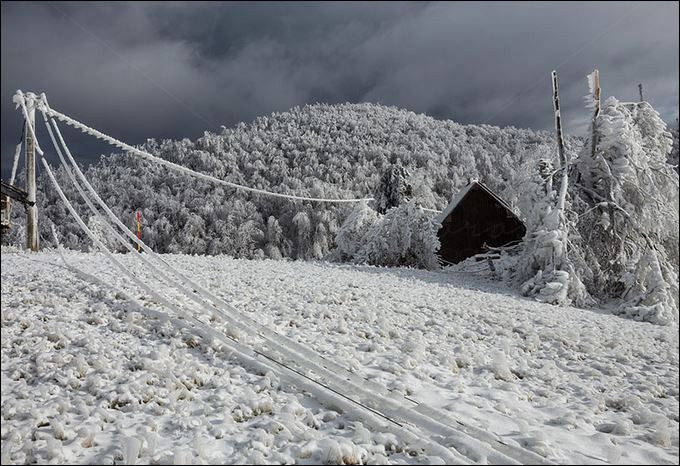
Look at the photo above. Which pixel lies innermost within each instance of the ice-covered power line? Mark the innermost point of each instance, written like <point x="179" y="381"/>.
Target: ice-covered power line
<point x="17" y="154"/>
<point x="41" y="103"/>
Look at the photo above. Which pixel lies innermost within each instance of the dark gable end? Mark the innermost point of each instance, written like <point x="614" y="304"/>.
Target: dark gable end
<point x="476" y="216"/>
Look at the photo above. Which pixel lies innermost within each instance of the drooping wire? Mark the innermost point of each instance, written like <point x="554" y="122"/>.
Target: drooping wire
<point x="115" y="142"/>
<point x="17" y="154"/>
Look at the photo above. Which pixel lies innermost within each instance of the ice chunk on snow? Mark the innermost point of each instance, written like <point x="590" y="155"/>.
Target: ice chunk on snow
<point x="501" y="367"/>
<point x="131" y="450"/>
<point x="662" y="437"/>
<point x="58" y="430"/>
<point x="182" y="457"/>
<point x="623" y="427"/>
<point x="330" y="451"/>
<point x="361" y="434"/>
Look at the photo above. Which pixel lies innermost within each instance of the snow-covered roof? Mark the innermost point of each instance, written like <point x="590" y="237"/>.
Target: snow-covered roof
<point x="460" y="195"/>
<point x="455" y="200"/>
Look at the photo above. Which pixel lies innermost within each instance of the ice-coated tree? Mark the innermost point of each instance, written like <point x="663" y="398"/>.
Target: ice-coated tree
<point x="674" y="157"/>
<point x="393" y="188"/>
<point x="248" y="239"/>
<point x="545" y="270"/>
<point x="303" y="235"/>
<point x="404" y="236"/>
<point x="191" y="231"/>
<point x="354" y="231"/>
<point x="546" y="265"/>
<point x="273" y="239"/>
<point x="627" y="200"/>
<point x="96" y="226"/>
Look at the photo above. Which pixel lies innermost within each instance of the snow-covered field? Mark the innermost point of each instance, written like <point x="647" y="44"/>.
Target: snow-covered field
<point x="90" y="376"/>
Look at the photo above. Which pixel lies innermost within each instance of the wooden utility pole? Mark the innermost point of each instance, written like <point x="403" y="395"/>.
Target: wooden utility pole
<point x="560" y="144"/>
<point x="596" y="111"/>
<point x="31" y="209"/>
<point x="558" y="120"/>
<point x="562" y="196"/>
<point x="640" y="89"/>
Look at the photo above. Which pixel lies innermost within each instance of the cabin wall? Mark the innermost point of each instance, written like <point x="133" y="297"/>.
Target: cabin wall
<point x="479" y="218"/>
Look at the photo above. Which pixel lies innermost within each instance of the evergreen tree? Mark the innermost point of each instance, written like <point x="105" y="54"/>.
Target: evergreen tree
<point x="393" y="188"/>
<point x="273" y="236"/>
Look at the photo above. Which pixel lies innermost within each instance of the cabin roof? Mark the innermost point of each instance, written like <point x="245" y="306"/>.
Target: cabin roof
<point x="460" y="195"/>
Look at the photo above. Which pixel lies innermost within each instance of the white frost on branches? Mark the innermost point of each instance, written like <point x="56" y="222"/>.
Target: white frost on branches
<point x="545" y="269"/>
<point x="354" y="230"/>
<point x="404" y="236"/>
<point x="616" y="241"/>
<point x="592" y="99"/>
<point x="318" y="150"/>
<point x="393" y="188"/>
<point x="627" y="200"/>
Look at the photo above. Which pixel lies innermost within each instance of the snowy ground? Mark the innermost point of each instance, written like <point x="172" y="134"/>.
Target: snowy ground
<point x="90" y="377"/>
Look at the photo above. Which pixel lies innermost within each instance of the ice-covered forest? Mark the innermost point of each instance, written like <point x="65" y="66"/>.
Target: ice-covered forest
<point x="318" y="150"/>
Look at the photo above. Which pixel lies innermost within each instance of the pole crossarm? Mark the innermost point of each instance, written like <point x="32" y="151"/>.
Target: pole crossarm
<point x="15" y="193"/>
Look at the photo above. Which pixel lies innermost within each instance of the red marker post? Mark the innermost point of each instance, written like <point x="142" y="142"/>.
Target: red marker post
<point x="139" y="229"/>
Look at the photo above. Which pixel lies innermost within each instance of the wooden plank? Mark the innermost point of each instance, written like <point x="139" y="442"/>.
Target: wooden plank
<point x="15" y="193"/>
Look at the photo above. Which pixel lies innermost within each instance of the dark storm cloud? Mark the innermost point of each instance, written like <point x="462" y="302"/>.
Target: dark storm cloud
<point x="138" y="70"/>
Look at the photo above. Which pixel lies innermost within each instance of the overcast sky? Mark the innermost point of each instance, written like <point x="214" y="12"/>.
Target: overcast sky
<point x="172" y="70"/>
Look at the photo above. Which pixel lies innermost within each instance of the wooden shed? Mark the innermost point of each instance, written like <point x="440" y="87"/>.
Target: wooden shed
<point x="476" y="217"/>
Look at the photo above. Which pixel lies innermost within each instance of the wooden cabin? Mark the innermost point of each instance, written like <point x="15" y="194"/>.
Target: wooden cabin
<point x="475" y="218"/>
<point x="10" y="192"/>
<point x="5" y="213"/>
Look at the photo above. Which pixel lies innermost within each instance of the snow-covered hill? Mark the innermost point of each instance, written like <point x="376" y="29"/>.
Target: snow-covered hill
<point x="337" y="151"/>
<point x="89" y="376"/>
